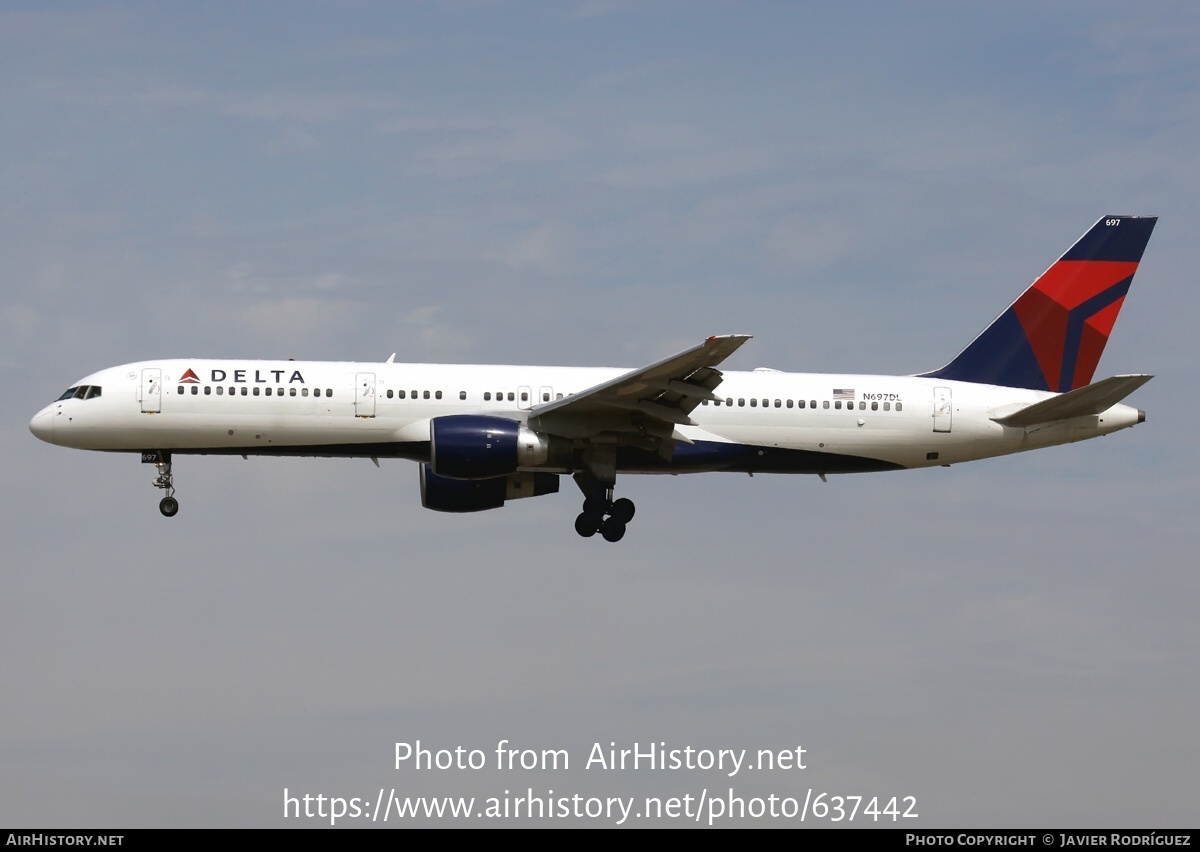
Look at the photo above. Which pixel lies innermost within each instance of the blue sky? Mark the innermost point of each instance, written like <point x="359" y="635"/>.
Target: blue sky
<point x="861" y="186"/>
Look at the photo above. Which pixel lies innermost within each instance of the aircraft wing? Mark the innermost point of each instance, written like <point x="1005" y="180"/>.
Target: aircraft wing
<point x="1091" y="399"/>
<point x="651" y="401"/>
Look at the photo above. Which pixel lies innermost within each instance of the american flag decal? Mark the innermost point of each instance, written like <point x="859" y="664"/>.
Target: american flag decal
<point x="843" y="393"/>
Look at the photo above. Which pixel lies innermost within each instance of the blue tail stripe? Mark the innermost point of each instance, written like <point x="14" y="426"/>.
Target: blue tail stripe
<point x="1124" y="242"/>
<point x="1076" y="320"/>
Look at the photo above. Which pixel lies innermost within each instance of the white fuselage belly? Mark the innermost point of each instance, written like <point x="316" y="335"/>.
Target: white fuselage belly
<point x="223" y="406"/>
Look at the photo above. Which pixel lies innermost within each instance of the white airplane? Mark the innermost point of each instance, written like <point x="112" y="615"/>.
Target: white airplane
<point x="486" y="434"/>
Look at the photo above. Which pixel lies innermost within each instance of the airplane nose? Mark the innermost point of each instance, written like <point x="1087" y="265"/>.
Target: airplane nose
<point x="42" y="425"/>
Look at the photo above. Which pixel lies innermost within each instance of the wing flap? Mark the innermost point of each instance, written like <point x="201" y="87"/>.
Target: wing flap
<point x="1081" y="402"/>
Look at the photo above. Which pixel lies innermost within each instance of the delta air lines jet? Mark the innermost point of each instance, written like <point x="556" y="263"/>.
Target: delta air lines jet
<point x="486" y="434"/>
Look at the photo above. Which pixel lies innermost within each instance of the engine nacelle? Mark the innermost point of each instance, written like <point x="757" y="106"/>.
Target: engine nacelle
<point x="470" y="446"/>
<point x="475" y="495"/>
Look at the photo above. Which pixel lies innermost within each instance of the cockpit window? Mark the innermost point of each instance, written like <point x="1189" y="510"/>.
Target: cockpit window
<point x="81" y="392"/>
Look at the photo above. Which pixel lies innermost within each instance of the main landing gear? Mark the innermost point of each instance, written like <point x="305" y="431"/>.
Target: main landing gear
<point x="601" y="513"/>
<point x="168" y="505"/>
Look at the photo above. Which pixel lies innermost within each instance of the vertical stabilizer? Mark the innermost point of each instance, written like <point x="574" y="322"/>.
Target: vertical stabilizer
<point x="1052" y="336"/>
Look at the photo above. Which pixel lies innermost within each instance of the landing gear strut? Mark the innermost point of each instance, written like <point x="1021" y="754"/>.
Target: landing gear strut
<point x="168" y="505"/>
<point x="601" y="513"/>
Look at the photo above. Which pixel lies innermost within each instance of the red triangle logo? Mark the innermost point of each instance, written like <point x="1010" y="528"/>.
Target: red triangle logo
<point x="189" y="378"/>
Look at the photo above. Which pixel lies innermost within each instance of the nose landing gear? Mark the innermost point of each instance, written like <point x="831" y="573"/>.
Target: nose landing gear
<point x="168" y="505"/>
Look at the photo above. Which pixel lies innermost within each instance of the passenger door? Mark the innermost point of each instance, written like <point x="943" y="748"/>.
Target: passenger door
<point x="150" y="391"/>
<point x="943" y="409"/>
<point x="364" y="395"/>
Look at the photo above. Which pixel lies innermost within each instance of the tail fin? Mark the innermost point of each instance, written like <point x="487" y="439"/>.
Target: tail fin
<point x="1052" y="336"/>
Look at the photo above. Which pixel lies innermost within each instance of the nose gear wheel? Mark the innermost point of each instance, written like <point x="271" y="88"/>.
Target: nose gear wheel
<point x="168" y="505"/>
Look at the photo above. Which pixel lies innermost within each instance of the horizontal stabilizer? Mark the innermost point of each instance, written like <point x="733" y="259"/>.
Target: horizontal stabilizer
<point x="1092" y="399"/>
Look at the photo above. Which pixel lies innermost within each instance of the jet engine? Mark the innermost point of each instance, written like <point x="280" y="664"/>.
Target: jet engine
<point x="470" y="446"/>
<point x="443" y="494"/>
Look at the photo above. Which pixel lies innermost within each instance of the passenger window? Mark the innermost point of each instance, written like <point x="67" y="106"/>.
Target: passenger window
<point x="207" y="390"/>
<point x="862" y="406"/>
<point x="328" y="392"/>
<point x="558" y="396"/>
<point x="256" y="391"/>
<point x="268" y="391"/>
<point x="291" y="391"/>
<point x="437" y="394"/>
<point x="524" y="396"/>
<point x="812" y="403"/>
<point x="487" y="396"/>
<point x="837" y="403"/>
<point x="778" y="403"/>
<point x="887" y="406"/>
<point x="899" y="406"/>
<point x="824" y="404"/>
<point x="729" y="401"/>
<point x="754" y="403"/>
<point x="545" y="396"/>
<point x="874" y="406"/>
<point x="180" y="390"/>
<point x="789" y="403"/>
<point x="799" y="403"/>
<point x="425" y="395"/>
<point x="741" y="402"/>
<point x="220" y="390"/>
<point x="303" y="391"/>
<point x="389" y="394"/>
<point x="512" y="397"/>
<point x="462" y="394"/>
